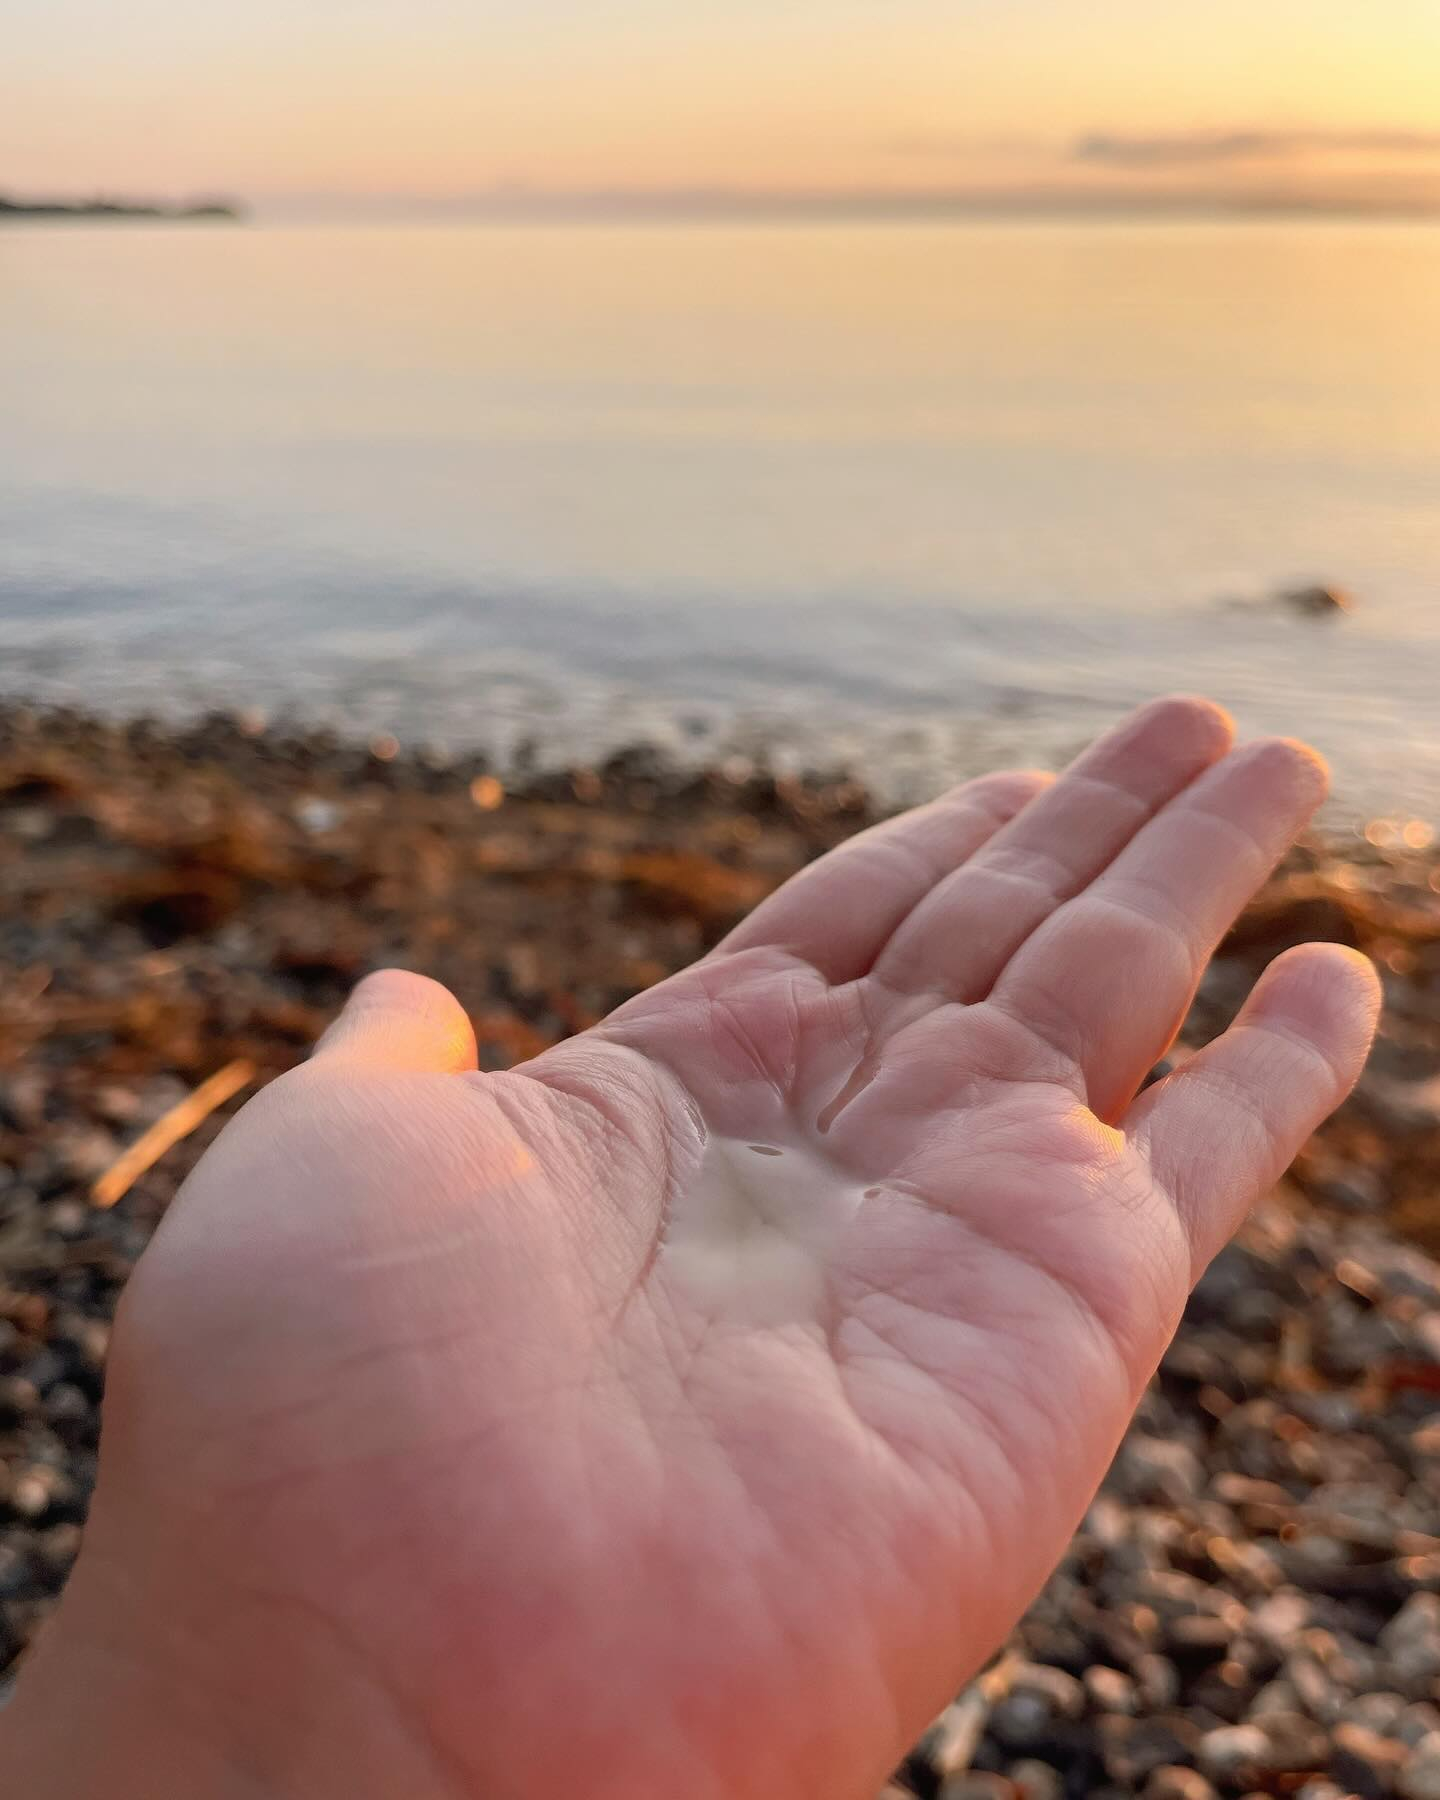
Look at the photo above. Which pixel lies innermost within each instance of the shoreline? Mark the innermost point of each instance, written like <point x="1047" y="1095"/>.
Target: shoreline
<point x="190" y="905"/>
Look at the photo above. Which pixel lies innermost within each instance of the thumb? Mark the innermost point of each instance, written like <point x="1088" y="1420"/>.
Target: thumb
<point x="401" y="1022"/>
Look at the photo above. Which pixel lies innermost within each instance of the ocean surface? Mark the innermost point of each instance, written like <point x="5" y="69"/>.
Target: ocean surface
<point x="916" y="498"/>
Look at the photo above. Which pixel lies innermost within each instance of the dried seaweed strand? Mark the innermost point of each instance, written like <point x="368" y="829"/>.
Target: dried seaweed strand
<point x="167" y="1131"/>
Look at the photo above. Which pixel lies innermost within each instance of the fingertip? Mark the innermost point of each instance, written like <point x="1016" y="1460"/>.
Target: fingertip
<point x="400" y="1019"/>
<point x="405" y="989"/>
<point x="1162" y="746"/>
<point x="1332" y="971"/>
<point x="1194" y="720"/>
<point x="1201" y="711"/>
<point x="1326" y="994"/>
<point x="1300" y="764"/>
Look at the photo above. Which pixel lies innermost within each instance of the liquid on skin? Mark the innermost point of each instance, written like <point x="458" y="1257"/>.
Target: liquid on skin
<point x="753" y="1232"/>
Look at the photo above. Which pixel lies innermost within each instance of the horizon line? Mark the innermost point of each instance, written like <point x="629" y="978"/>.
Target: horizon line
<point x="520" y="203"/>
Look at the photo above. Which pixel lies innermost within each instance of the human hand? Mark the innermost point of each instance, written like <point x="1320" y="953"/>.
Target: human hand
<point x="695" y="1407"/>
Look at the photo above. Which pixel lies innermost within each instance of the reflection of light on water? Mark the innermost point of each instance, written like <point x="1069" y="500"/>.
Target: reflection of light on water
<point x="814" y="497"/>
<point x="1389" y="834"/>
<point x="487" y="793"/>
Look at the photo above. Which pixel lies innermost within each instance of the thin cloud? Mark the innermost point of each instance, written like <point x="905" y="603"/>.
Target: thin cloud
<point x="952" y="144"/>
<point x="1189" y="149"/>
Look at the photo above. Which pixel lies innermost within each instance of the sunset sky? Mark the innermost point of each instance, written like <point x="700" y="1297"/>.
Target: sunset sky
<point x="426" y="102"/>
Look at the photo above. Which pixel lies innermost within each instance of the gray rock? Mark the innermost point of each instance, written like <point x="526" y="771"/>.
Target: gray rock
<point x="1420" y="1777"/>
<point x="85" y="1153"/>
<point x="1417" y="1723"/>
<point x="1319" y="1695"/>
<point x="1132" y="1749"/>
<point x="316" y="815"/>
<point x="22" y="1100"/>
<point x="1198" y="1638"/>
<point x="1157" y="1681"/>
<point x="1330" y="1411"/>
<point x="1318" y="601"/>
<point x="1378" y="1712"/>
<point x="1360" y="1191"/>
<point x="1037" y="1780"/>
<point x="1297" y="1745"/>
<point x="1411" y="1643"/>
<point x="1282" y="1617"/>
<point x="1364" y="1762"/>
<point x="1416" y="1624"/>
<point x="1062" y="1693"/>
<point x="1022" y="1721"/>
<point x="1401" y="1106"/>
<point x="1233" y="1751"/>
<point x="1158" y="1470"/>
<point x="1112" y="1691"/>
<point x="1274" y="1697"/>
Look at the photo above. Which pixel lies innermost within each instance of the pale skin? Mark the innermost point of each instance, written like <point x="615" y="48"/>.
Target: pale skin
<point x="460" y="1443"/>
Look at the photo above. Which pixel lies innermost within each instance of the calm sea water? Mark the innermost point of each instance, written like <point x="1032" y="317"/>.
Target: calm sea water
<point x="918" y="498"/>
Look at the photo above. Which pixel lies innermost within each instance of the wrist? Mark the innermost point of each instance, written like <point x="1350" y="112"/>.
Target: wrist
<point x="92" y="1714"/>
<point x="116" y="1702"/>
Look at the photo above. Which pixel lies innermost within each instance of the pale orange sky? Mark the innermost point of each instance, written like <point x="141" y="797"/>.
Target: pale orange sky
<point x="1315" y="99"/>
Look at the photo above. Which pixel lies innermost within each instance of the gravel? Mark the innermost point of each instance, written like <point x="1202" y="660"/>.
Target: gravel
<point x="1252" y="1603"/>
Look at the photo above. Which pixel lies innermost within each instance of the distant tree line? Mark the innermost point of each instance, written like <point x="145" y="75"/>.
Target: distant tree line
<point x="102" y="207"/>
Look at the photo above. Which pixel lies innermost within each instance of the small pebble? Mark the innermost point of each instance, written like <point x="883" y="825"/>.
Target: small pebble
<point x="1419" y="1779"/>
<point x="1364" y="1762"/>
<point x="1110" y="1690"/>
<point x="1037" y="1780"/>
<point x="1233" y="1750"/>
<point x="1411" y="1640"/>
<point x="976" y="1784"/>
<point x="1416" y="1723"/>
<point x="1296" y="1745"/>
<point x="1173" y="1781"/>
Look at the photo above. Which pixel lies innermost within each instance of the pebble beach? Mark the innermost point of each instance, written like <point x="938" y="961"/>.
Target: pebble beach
<point x="1253" y="1602"/>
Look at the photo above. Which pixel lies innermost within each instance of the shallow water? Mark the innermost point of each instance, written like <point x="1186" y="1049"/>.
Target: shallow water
<point x="917" y="497"/>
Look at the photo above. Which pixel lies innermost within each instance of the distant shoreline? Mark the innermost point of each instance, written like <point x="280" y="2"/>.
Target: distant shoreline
<point x="185" y="212"/>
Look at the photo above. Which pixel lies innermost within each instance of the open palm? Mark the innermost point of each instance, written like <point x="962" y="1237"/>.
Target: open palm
<point x="692" y="1409"/>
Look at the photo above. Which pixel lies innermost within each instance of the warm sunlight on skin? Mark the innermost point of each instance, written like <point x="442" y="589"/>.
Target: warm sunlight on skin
<point x="435" y="99"/>
<point x="692" y="1409"/>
